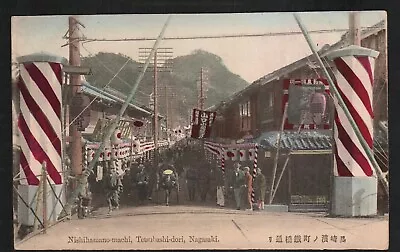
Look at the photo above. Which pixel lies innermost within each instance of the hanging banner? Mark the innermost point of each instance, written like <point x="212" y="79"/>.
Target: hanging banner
<point x="202" y="123"/>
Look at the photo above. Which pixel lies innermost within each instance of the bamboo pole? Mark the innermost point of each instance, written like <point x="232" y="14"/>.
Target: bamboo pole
<point x="44" y="191"/>
<point x="111" y="128"/>
<point x="39" y="194"/>
<point x="286" y="161"/>
<point x="28" y="206"/>
<point x="278" y="145"/>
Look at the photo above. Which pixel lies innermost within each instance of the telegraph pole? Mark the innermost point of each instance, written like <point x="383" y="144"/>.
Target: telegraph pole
<point x="75" y="82"/>
<point x="161" y="63"/>
<point x="354" y="28"/>
<point x="201" y="90"/>
<point x="155" y="110"/>
<point x="166" y="110"/>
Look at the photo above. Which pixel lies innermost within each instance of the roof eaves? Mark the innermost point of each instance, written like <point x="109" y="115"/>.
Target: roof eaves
<point x="300" y="63"/>
<point x="112" y="97"/>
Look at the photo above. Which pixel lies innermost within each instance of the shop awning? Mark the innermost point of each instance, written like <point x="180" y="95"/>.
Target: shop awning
<point x="306" y="141"/>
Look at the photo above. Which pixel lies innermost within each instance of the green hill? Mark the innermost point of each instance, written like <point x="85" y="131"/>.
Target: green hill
<point x="180" y="84"/>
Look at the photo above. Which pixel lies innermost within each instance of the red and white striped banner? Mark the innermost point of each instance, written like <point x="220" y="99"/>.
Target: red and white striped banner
<point x="213" y="149"/>
<point x="355" y="78"/>
<point x="147" y="146"/>
<point x="39" y="122"/>
<point x="231" y="146"/>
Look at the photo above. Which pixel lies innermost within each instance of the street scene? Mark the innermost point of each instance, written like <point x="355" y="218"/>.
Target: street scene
<point x="208" y="131"/>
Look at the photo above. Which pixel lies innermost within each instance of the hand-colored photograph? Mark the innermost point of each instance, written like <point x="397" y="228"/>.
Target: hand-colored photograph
<point x="200" y="131"/>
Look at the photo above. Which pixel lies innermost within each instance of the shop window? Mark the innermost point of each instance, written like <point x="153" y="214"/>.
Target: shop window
<point x="245" y="116"/>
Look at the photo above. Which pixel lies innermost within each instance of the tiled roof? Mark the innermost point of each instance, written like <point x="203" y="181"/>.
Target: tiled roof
<point x="91" y="90"/>
<point x="307" y="140"/>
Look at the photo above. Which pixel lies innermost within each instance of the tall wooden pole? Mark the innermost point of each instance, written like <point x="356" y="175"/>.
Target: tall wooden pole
<point x="354" y="28"/>
<point x="341" y="103"/>
<point x="201" y="90"/>
<point x="166" y="110"/>
<point x="155" y="110"/>
<point x="44" y="185"/>
<point x="82" y="181"/>
<point x="75" y="81"/>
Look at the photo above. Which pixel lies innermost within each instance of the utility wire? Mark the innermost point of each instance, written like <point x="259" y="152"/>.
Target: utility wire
<point x="97" y="96"/>
<point x="90" y="54"/>
<point x="91" y="102"/>
<point x="269" y="34"/>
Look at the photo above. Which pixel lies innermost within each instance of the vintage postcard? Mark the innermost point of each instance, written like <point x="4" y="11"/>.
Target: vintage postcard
<point x="201" y="131"/>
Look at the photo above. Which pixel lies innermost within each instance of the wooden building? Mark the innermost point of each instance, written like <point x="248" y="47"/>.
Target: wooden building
<point x="256" y="113"/>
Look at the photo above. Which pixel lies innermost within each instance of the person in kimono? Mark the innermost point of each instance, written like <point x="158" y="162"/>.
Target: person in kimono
<point x="260" y="186"/>
<point x="249" y="186"/>
<point x="220" y="187"/>
<point x="238" y="185"/>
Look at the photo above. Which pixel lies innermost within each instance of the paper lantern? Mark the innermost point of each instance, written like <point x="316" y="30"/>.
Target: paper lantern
<point x="252" y="154"/>
<point x="138" y="123"/>
<point x="242" y="155"/>
<point x="116" y="137"/>
<point x="115" y="153"/>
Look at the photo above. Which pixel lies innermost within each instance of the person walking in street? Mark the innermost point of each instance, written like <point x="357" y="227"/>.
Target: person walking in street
<point x="152" y="179"/>
<point x="260" y="185"/>
<point x="220" y="187"/>
<point x="249" y="186"/>
<point x="191" y="182"/>
<point x="204" y="182"/>
<point x="142" y="181"/>
<point x="111" y="187"/>
<point x="238" y="184"/>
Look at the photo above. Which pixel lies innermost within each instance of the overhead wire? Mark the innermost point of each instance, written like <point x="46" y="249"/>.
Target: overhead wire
<point x="268" y="34"/>
<point x="83" y="110"/>
<point x="86" y="40"/>
<point x="90" y="54"/>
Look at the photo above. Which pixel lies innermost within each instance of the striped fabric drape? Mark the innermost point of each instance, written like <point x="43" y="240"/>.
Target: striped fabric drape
<point x="39" y="121"/>
<point x="355" y="78"/>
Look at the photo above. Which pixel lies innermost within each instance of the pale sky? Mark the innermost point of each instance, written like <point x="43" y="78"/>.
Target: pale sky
<point x="251" y="58"/>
